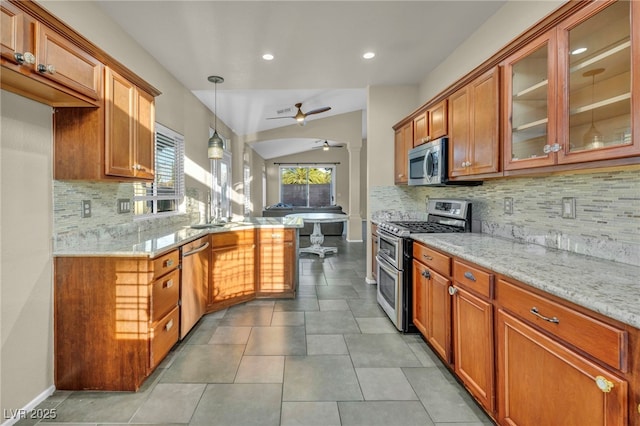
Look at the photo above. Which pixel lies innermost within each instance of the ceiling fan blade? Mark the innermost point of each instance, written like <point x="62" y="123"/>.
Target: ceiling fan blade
<point x="275" y="118"/>
<point x="318" y="110"/>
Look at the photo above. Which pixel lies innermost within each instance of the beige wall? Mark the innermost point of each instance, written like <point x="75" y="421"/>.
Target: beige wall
<point x="26" y="279"/>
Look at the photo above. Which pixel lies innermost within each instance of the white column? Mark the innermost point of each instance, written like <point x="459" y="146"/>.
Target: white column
<point x="354" y="223"/>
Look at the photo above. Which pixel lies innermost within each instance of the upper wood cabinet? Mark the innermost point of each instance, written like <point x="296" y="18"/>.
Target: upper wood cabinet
<point x="430" y="124"/>
<point x="39" y="63"/>
<point x="129" y="140"/>
<point x="474" y="144"/>
<point x="568" y="94"/>
<point x="403" y="143"/>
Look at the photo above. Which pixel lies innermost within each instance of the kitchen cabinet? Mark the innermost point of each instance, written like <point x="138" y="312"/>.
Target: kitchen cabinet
<point x="542" y="381"/>
<point x="194" y="282"/>
<point x="403" y="143"/>
<point x="431" y="299"/>
<point x="40" y="63"/>
<point x="117" y="138"/>
<point x="473" y="331"/>
<point x="277" y="262"/>
<point x="129" y="137"/>
<point x="112" y="315"/>
<point x="430" y="124"/>
<point x="568" y="94"/>
<point x="474" y="144"/>
<point x="233" y="269"/>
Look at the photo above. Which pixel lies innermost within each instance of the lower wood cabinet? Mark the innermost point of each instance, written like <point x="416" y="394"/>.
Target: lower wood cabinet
<point x="277" y="262"/>
<point x="233" y="274"/>
<point x="542" y="382"/>
<point x="115" y="319"/>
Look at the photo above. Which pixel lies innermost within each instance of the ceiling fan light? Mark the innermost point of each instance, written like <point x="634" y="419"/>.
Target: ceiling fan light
<point x="325" y="147"/>
<point x="216" y="147"/>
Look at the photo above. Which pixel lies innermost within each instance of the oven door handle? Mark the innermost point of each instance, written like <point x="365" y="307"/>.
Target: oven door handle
<point x="382" y="263"/>
<point x="388" y="237"/>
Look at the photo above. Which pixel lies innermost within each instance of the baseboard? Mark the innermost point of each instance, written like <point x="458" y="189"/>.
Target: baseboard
<point x="354" y="241"/>
<point x="12" y="417"/>
<point x="370" y="281"/>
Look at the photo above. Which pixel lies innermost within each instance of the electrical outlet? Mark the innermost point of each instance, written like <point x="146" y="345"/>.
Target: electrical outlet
<point x="124" y="205"/>
<point x="568" y="207"/>
<point x="508" y="205"/>
<point x="86" y="208"/>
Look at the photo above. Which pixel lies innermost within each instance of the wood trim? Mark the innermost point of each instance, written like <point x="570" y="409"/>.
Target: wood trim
<point x="41" y="14"/>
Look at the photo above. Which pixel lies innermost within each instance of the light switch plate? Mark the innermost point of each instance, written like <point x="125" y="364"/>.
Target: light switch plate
<point x="508" y="205"/>
<point x="86" y="208"/>
<point x="568" y="207"/>
<point x="124" y="205"/>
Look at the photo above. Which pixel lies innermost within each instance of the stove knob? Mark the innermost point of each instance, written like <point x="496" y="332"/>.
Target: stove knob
<point x="395" y="229"/>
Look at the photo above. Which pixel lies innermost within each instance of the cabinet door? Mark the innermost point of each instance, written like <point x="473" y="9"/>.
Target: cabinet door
<point x="17" y="33"/>
<point x="420" y="129"/>
<point x="529" y="120"/>
<point x="374" y="252"/>
<point x="473" y="345"/>
<point x="277" y="263"/>
<point x="145" y="140"/>
<point x="600" y="117"/>
<point x="63" y="62"/>
<point x="459" y="132"/>
<point x="542" y="382"/>
<point x="484" y="154"/>
<point x="403" y="143"/>
<point x="420" y="282"/>
<point x="439" y="315"/>
<point x="233" y="278"/>
<point x="120" y="98"/>
<point x="437" y="120"/>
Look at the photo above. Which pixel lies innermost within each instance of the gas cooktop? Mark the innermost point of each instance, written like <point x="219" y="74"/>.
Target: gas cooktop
<point x="444" y="216"/>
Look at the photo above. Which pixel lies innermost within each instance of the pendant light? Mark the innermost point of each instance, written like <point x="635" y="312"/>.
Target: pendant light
<point x="216" y="144"/>
<point x="593" y="138"/>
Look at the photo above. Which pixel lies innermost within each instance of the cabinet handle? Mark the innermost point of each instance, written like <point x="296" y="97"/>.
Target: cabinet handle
<point x="427" y="257"/>
<point x="168" y="284"/>
<point x="426" y="274"/>
<point x="46" y="68"/>
<point x="168" y="263"/>
<point x="276" y="236"/>
<point x="546" y="149"/>
<point x="603" y="384"/>
<point x="535" y="312"/>
<point x="452" y="290"/>
<point x="169" y="325"/>
<point x="194" y="251"/>
<point x="468" y="275"/>
<point x="25" y="58"/>
<point x="556" y="147"/>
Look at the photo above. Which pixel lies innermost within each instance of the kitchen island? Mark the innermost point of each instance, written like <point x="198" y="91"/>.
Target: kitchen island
<point x="122" y="304"/>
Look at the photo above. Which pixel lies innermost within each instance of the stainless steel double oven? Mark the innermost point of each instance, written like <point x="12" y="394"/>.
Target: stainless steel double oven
<point x="395" y="253"/>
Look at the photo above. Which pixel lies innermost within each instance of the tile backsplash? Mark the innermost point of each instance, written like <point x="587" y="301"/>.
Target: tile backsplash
<point x="607" y="222"/>
<point x="70" y="228"/>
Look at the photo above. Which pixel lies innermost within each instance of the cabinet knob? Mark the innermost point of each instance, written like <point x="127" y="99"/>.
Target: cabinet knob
<point x="169" y="325"/>
<point x="426" y="274"/>
<point x="603" y="384"/>
<point x="168" y="284"/>
<point x="168" y="263"/>
<point x="452" y="290"/>
<point x="46" y="69"/>
<point x="468" y="275"/>
<point x="546" y="149"/>
<point x="25" y="58"/>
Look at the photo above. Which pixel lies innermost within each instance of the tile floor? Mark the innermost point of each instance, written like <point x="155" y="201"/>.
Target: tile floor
<point x="329" y="357"/>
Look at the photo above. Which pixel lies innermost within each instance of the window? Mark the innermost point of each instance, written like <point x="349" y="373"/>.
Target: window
<point x="221" y="185"/>
<point x="307" y="186"/>
<point x="164" y="195"/>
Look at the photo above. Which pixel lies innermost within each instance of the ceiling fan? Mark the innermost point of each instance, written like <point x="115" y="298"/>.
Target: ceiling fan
<point x="326" y="146"/>
<point x="300" y="116"/>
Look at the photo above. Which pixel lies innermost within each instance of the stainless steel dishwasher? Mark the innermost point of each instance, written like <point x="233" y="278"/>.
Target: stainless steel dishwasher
<point x="194" y="283"/>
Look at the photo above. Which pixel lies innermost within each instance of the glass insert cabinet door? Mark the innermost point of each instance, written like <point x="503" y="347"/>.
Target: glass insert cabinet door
<point x="598" y="69"/>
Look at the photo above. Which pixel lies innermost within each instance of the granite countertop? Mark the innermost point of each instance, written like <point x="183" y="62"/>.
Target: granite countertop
<point x="609" y="288"/>
<point x="156" y="242"/>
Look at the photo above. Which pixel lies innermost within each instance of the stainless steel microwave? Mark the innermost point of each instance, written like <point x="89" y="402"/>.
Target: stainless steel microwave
<point x="428" y="165"/>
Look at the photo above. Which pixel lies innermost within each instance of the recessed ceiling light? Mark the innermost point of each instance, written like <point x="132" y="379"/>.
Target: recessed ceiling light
<point x="369" y="55"/>
<point x="579" y="51"/>
<point x="267" y="57"/>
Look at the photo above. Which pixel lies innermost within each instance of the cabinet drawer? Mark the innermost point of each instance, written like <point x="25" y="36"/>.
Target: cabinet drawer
<point x="232" y="238"/>
<point x="434" y="260"/>
<point x="604" y="342"/>
<point x="165" y="263"/>
<point x="275" y="235"/>
<point x="472" y="278"/>
<point x="164" y="334"/>
<point x="165" y="294"/>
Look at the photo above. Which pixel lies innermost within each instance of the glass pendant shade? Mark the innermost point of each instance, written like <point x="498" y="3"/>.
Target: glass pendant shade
<point x="216" y="147"/>
<point x="593" y="137"/>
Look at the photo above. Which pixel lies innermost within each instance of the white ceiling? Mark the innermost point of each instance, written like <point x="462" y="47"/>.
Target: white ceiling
<point x="318" y="47"/>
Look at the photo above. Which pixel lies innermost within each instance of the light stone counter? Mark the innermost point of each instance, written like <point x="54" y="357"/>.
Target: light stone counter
<point x="609" y="288"/>
<point x="156" y="242"/>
